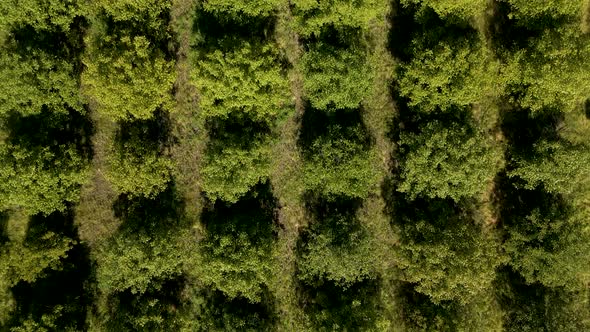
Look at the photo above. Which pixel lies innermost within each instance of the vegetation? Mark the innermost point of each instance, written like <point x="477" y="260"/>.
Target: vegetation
<point x="302" y="165"/>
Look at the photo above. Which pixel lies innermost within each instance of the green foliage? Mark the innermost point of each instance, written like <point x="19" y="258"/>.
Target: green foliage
<point x="145" y="14"/>
<point x="127" y="76"/>
<point x="339" y="249"/>
<point x="231" y="168"/>
<point x="40" y="14"/>
<point x="137" y="260"/>
<point x="150" y="247"/>
<point x="40" y="178"/>
<point x="137" y="166"/>
<point x="313" y="16"/>
<point x="139" y="170"/>
<point x="35" y="80"/>
<point x="558" y="166"/>
<point x="551" y="72"/>
<point x="550" y="244"/>
<point x="445" y="253"/>
<point x="355" y="308"/>
<point x="250" y="8"/>
<point x="535" y="307"/>
<point x="447" y="161"/>
<point x="213" y="311"/>
<point x="340" y="163"/>
<point x="336" y="77"/>
<point x="531" y="9"/>
<point x="246" y="81"/>
<point x="464" y="9"/>
<point x="238" y="249"/>
<point x="46" y="323"/>
<point x="30" y="261"/>
<point x="450" y="74"/>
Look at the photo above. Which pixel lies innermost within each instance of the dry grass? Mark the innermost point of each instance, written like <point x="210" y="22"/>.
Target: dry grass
<point x="94" y="215"/>
<point x="187" y="129"/>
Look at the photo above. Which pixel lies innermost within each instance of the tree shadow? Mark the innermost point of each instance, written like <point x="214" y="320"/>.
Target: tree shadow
<point x="154" y="133"/>
<point x="159" y="36"/>
<point x="318" y="125"/>
<point x="163" y="212"/>
<point x="524" y="305"/>
<point x="52" y="130"/>
<point x="411" y="119"/>
<point x="333" y="308"/>
<point x="62" y="294"/>
<point x="411" y="23"/>
<point x="227" y="32"/>
<point x="420" y="313"/>
<point x="336" y="214"/>
<point x="236" y="131"/>
<point x="511" y="34"/>
<point x="338" y="38"/>
<point x="62" y="45"/>
<point x="4" y="217"/>
<point x="254" y="214"/>
<point x="154" y="310"/>
<point x="221" y="313"/>
<point x="523" y="129"/>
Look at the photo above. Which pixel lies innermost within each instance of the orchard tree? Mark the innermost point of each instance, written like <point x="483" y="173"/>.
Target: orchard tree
<point x="447" y="161"/>
<point x="337" y="248"/>
<point x="336" y="77"/>
<point x="525" y="10"/>
<point x="560" y="167"/>
<point x="449" y="9"/>
<point x="254" y="8"/>
<point x="237" y="158"/>
<point x="150" y="247"/>
<point x="237" y="253"/>
<point x="247" y="80"/>
<point x="551" y="72"/>
<point x="312" y="16"/>
<point x="127" y="76"/>
<point x="549" y="243"/>
<point x="149" y="16"/>
<point x="445" y="252"/>
<point x="231" y="170"/>
<point x="41" y="169"/>
<point x="40" y="14"/>
<point x="340" y="162"/>
<point x="138" y="164"/>
<point x="38" y="73"/>
<point x="449" y="74"/>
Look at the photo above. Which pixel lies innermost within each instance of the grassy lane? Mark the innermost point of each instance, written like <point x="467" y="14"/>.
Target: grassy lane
<point x="190" y="138"/>
<point x="286" y="179"/>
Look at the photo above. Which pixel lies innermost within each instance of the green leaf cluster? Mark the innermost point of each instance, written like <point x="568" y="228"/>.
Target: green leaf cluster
<point x="33" y="80"/>
<point x="462" y="9"/>
<point x="251" y="8"/>
<point x="533" y="9"/>
<point x="336" y="77"/>
<point x="447" y="161"/>
<point x="246" y="81"/>
<point x="313" y="16"/>
<point x="40" y="14"/>
<point x="338" y="249"/>
<point x="127" y="76"/>
<point x="446" y="254"/>
<point x="450" y="74"/>
<point x="339" y="163"/>
<point x="232" y="168"/>
<point x="551" y="72"/>
<point x="40" y="179"/>
<point x="237" y="253"/>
